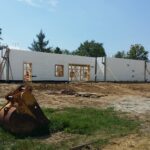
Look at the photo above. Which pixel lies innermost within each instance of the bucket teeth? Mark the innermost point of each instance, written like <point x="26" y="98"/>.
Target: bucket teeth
<point x="22" y="114"/>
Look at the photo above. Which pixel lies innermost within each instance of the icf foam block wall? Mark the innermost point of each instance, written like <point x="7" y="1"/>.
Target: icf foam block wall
<point x="125" y="70"/>
<point x="148" y="71"/>
<point x="3" y="67"/>
<point x="43" y="65"/>
<point x="100" y="68"/>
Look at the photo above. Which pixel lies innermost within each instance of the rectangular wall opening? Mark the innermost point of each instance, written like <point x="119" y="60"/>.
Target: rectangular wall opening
<point x="27" y="72"/>
<point x="59" y="70"/>
<point x="79" y="72"/>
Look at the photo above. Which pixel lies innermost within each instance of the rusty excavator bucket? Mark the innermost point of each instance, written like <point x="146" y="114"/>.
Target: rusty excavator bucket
<point x="22" y="115"/>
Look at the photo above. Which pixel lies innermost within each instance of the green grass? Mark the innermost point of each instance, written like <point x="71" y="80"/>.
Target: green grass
<point x="84" y="121"/>
<point x="10" y="142"/>
<point x="89" y="120"/>
<point x="26" y="145"/>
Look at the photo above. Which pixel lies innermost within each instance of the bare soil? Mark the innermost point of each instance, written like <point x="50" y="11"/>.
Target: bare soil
<point x="132" y="99"/>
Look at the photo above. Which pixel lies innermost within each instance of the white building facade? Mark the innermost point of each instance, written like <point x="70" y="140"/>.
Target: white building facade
<point x="38" y="66"/>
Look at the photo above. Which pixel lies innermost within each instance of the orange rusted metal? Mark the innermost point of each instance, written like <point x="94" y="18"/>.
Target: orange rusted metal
<point x="22" y="114"/>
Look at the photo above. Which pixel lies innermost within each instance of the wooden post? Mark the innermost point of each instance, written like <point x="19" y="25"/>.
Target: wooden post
<point x="95" y="69"/>
<point x="105" y="68"/>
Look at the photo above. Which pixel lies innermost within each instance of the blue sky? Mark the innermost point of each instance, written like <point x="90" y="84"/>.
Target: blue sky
<point x="67" y="23"/>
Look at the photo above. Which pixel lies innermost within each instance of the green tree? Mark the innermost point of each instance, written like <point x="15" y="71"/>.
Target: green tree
<point x="138" y="52"/>
<point x="41" y="45"/>
<point x="0" y="33"/>
<point x="120" y="54"/>
<point x="66" y="52"/>
<point x="90" y="48"/>
<point x="58" y="50"/>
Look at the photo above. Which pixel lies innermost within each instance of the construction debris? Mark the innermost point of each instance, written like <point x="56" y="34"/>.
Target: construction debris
<point x="63" y="91"/>
<point x="68" y="92"/>
<point x="91" y="95"/>
<point x="77" y="94"/>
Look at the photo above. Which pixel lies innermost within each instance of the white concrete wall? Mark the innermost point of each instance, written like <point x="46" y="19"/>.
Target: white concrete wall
<point x="43" y="64"/>
<point x="0" y="63"/>
<point x="148" y="71"/>
<point x="3" y="77"/>
<point x="124" y="70"/>
<point x="100" y="69"/>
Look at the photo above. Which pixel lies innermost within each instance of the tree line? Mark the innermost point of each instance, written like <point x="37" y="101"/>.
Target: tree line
<point x="87" y="48"/>
<point x="136" y="51"/>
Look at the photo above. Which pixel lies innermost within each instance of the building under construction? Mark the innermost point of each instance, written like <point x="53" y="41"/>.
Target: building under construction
<point x="19" y="65"/>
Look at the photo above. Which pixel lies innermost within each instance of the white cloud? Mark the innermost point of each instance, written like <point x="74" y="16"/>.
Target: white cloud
<point x="53" y="3"/>
<point x="29" y="2"/>
<point x="49" y="4"/>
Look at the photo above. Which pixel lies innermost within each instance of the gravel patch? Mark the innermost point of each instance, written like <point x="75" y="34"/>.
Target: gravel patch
<point x="132" y="104"/>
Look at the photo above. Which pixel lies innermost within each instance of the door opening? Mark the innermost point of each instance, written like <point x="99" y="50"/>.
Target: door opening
<point x="27" y="72"/>
<point x="79" y="72"/>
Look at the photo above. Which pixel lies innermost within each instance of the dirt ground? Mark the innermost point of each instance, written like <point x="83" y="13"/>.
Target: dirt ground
<point x="133" y="99"/>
